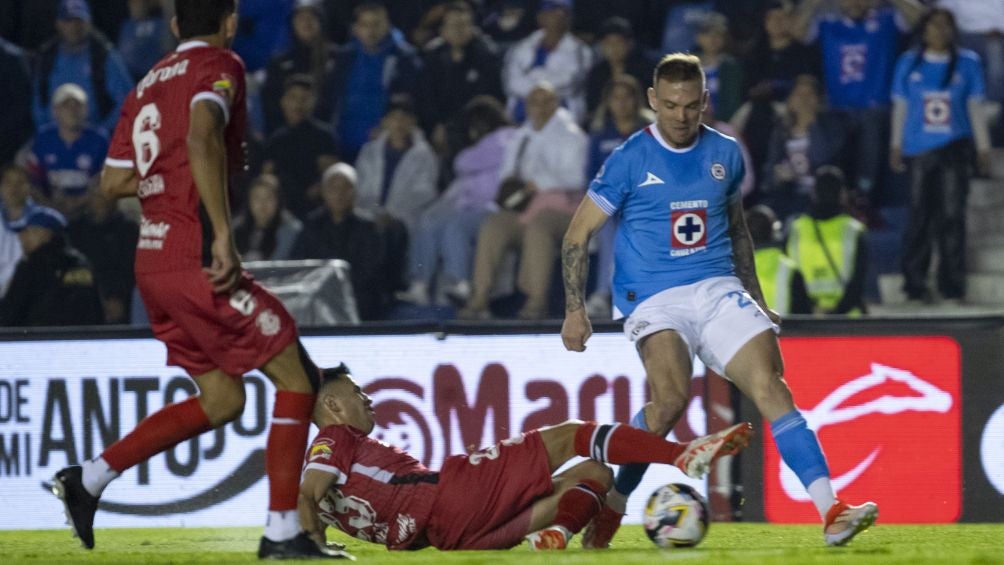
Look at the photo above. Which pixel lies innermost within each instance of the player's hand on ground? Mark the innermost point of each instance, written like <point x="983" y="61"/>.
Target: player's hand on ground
<point x="224" y="272"/>
<point x="576" y="330"/>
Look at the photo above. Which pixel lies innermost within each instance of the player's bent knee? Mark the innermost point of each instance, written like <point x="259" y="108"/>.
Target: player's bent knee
<point x="221" y="409"/>
<point x="599" y="472"/>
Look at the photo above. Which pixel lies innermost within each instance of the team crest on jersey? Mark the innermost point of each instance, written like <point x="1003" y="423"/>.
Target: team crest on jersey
<point x="937" y="112"/>
<point x="690" y="231"/>
<point x="268" y="323"/>
<point x="321" y="449"/>
<point x="718" y="171"/>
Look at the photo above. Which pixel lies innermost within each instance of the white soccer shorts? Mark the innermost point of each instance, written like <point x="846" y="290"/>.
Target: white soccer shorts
<point x="715" y="317"/>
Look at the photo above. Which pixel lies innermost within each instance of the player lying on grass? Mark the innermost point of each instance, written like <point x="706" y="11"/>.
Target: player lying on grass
<point x="490" y="499"/>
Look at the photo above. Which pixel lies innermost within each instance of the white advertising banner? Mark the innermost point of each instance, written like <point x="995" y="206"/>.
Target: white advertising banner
<point x="61" y="402"/>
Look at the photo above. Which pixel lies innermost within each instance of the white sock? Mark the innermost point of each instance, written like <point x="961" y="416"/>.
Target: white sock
<point x="282" y="525"/>
<point x="96" y="475"/>
<point x="617" y="501"/>
<point x="821" y="492"/>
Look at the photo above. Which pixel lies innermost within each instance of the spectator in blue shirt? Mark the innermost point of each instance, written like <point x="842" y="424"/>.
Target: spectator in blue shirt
<point x="262" y="31"/>
<point x="679" y="35"/>
<point x="80" y="55"/>
<point x="15" y="91"/>
<point x="67" y="154"/>
<point x="144" y="37"/>
<point x="859" y="46"/>
<point x="375" y="64"/>
<point x="938" y="91"/>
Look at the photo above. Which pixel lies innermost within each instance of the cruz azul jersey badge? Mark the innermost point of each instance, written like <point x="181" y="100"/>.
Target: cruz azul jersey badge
<point x="689" y="227"/>
<point x="718" y="171"/>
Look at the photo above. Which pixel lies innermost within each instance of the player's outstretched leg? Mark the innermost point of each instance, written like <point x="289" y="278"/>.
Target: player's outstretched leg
<point x="757" y="369"/>
<point x="221" y="399"/>
<point x="620" y="444"/>
<point x="694" y="459"/>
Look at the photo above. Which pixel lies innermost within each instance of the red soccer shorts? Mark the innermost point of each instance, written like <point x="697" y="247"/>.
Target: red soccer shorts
<point x="203" y="330"/>
<point x="484" y="498"/>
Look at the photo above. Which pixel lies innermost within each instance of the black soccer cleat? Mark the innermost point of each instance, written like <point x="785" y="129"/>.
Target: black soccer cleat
<point x="300" y="547"/>
<point x="79" y="504"/>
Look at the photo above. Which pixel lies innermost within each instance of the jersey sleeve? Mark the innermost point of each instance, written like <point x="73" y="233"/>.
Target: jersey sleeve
<point x="612" y="183"/>
<point x="121" y="154"/>
<point x="975" y="80"/>
<point x="220" y="80"/>
<point x="899" y="79"/>
<point x="332" y="452"/>
<point x="734" y="192"/>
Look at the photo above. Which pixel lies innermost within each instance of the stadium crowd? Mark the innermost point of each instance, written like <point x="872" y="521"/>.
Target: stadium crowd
<point x="441" y="147"/>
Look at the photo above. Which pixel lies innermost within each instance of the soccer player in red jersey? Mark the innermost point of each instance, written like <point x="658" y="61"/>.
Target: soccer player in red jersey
<point x="490" y="499"/>
<point x="178" y="140"/>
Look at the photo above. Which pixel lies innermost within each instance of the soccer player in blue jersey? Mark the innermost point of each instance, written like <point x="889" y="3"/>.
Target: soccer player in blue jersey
<point x="685" y="279"/>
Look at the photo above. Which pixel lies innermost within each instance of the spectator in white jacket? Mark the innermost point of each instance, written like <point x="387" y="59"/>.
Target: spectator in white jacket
<point x="547" y="157"/>
<point x="398" y="170"/>
<point x="549" y="54"/>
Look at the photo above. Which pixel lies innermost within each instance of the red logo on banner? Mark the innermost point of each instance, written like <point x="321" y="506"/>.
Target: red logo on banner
<point x="887" y="413"/>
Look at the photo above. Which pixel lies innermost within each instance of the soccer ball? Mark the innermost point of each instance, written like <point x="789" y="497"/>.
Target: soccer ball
<point x="676" y="516"/>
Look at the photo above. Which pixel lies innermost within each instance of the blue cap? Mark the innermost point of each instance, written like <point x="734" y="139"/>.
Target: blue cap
<point x="42" y="217"/>
<point x="555" y="5"/>
<point x="74" y="9"/>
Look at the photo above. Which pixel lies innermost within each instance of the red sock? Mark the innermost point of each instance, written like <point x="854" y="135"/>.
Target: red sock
<point x="620" y="444"/>
<point x="579" y="504"/>
<point x="161" y="430"/>
<point x="287" y="442"/>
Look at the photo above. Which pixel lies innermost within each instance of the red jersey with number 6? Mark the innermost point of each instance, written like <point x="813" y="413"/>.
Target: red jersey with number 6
<point x="151" y="137"/>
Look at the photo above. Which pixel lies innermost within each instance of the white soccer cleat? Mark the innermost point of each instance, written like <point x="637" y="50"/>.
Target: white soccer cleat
<point x="696" y="459"/>
<point x="847" y="521"/>
<point x="548" y="539"/>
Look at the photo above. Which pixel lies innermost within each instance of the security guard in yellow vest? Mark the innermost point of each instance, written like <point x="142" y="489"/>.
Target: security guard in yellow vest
<point x="780" y="280"/>
<point x="828" y="246"/>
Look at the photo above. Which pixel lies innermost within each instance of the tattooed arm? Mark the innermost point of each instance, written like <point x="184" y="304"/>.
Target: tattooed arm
<point x="588" y="219"/>
<point x="742" y="257"/>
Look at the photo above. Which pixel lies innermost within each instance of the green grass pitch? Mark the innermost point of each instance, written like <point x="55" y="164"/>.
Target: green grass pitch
<point x="726" y="543"/>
